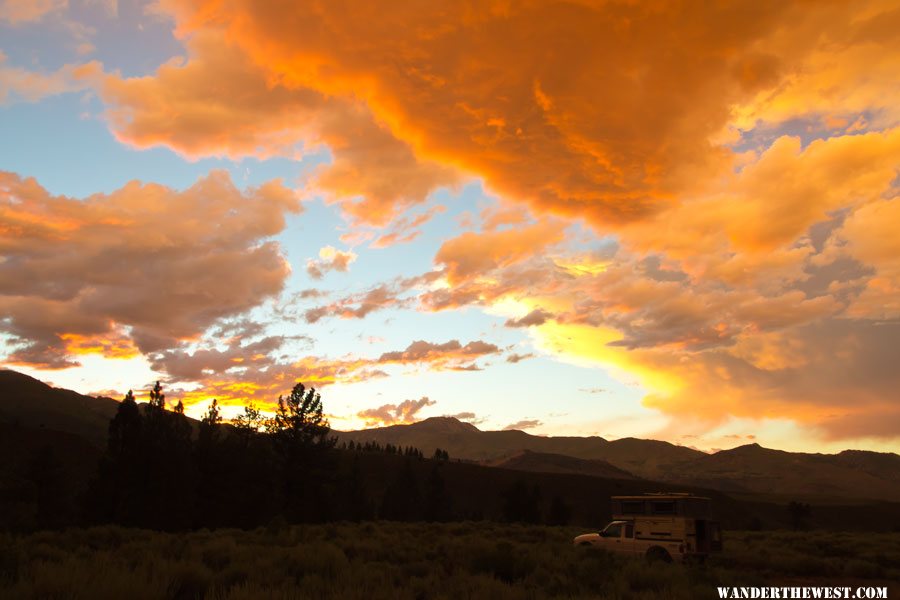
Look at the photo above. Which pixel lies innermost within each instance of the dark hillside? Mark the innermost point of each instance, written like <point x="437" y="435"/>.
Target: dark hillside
<point x="540" y="462"/>
<point x="752" y="468"/>
<point x="852" y="474"/>
<point x="27" y="402"/>
<point x="171" y="472"/>
<point x="645" y="458"/>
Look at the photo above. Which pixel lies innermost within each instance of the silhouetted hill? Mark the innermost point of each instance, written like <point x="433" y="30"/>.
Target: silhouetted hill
<point x="746" y="469"/>
<point x="477" y="492"/>
<point x="33" y="410"/>
<point x="27" y="402"/>
<point x="883" y="465"/>
<point x="645" y="458"/>
<point x="541" y="462"/>
<point x="752" y="468"/>
<point x="447" y="425"/>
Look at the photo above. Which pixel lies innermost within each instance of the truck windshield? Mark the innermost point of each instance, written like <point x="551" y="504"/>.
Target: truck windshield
<point x="612" y="530"/>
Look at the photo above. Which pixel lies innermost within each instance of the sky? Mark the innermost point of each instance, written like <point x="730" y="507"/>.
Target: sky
<point x="664" y="220"/>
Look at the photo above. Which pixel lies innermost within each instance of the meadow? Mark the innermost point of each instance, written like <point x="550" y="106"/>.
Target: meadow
<point x="388" y="560"/>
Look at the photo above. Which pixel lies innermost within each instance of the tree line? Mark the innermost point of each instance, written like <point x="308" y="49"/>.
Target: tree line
<point x="165" y="471"/>
<point x="162" y="470"/>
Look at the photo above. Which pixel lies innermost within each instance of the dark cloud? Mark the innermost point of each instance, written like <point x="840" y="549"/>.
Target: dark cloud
<point x="359" y="306"/>
<point x="538" y="316"/>
<point x="515" y="358"/>
<point x="183" y="365"/>
<point x="452" y="351"/>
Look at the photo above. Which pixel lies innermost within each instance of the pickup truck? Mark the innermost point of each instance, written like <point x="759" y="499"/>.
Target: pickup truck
<point x="618" y="536"/>
<point x="663" y="527"/>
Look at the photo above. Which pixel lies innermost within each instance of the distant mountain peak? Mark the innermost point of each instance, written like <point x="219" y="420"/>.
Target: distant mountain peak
<point x="745" y="449"/>
<point x="446" y="425"/>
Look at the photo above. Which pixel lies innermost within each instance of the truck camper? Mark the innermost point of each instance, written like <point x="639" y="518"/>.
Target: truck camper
<point x="660" y="526"/>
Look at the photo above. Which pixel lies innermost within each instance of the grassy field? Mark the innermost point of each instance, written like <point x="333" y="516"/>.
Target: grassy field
<point x="424" y="560"/>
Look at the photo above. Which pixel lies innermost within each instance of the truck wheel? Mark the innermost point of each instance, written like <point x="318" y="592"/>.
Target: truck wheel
<point x="658" y="554"/>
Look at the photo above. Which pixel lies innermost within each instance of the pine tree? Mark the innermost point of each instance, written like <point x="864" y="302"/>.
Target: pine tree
<point x="157" y="398"/>
<point x="250" y="422"/>
<point x="209" y="423"/>
<point x="299" y="419"/>
<point x="114" y="495"/>
<point x="300" y="431"/>
<point x="211" y="469"/>
<point x="167" y="482"/>
<point x="125" y="428"/>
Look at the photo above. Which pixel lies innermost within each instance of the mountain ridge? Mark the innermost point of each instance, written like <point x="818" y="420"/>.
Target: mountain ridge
<point x="31" y="402"/>
<point x="750" y="468"/>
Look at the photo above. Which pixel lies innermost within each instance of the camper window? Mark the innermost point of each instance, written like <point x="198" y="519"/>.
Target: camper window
<point x="663" y="508"/>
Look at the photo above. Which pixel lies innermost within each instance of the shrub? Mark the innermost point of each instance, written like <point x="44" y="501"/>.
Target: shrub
<point x="189" y="581"/>
<point x="409" y="560"/>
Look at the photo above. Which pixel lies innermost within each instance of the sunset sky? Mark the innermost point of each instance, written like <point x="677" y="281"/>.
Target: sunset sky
<point x="666" y="220"/>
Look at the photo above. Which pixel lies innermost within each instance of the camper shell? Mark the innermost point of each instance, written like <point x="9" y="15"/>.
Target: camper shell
<point x="667" y="526"/>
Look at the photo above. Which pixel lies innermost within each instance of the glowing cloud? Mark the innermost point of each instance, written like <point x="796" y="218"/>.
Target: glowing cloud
<point x="143" y="267"/>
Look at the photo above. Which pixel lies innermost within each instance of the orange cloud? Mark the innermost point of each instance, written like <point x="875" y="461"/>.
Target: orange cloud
<point x="218" y="101"/>
<point x="452" y="354"/>
<point x="395" y="414"/>
<point x="330" y="259"/>
<point x="848" y="57"/>
<point x="17" y="84"/>
<point x="752" y="229"/>
<point x="406" y="229"/>
<point x="117" y="345"/>
<point x="599" y="111"/>
<point x="870" y="236"/>
<point x="17" y="12"/>
<point x="705" y="351"/>
<point x="840" y="389"/>
<point x="160" y="264"/>
<point x="374" y="175"/>
<point x="472" y="254"/>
